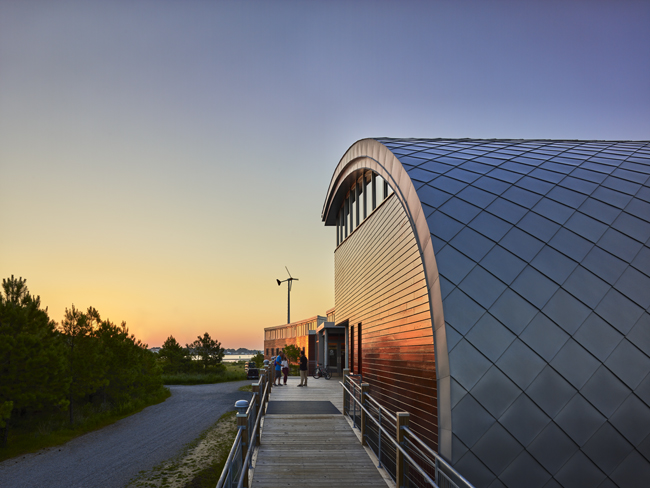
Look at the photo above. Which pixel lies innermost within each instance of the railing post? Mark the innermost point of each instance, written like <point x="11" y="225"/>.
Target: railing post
<point x="242" y="424"/>
<point x="346" y="372"/>
<point x="437" y="469"/>
<point x="365" y="389"/>
<point x="257" y="401"/>
<point x="402" y="421"/>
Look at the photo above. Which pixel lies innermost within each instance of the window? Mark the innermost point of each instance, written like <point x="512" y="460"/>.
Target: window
<point x="380" y="189"/>
<point x="353" y="210"/>
<point x="365" y="195"/>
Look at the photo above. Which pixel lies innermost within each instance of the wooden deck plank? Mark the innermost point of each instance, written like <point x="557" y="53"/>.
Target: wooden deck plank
<point x="312" y="450"/>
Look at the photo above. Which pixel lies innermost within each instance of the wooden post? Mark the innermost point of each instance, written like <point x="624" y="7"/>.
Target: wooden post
<point x="346" y="372"/>
<point x="365" y="389"/>
<point x="242" y="423"/>
<point x="258" y="402"/>
<point x="402" y="421"/>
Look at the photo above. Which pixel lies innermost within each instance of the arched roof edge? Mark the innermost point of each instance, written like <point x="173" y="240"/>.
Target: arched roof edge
<point x="372" y="154"/>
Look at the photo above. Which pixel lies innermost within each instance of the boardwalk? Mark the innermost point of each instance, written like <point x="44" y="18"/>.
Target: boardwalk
<point x="311" y="449"/>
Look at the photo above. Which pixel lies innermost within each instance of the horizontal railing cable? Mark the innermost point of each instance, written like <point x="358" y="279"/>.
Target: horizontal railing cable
<point x="435" y="455"/>
<point x="394" y="442"/>
<point x="228" y="466"/>
<point x="401" y="453"/>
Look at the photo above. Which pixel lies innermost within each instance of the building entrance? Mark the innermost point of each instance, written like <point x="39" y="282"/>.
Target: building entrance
<point x="334" y="354"/>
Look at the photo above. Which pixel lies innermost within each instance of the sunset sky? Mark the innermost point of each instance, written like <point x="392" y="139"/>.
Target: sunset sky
<point x="163" y="161"/>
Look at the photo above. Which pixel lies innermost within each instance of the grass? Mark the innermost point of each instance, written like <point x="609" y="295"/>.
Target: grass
<point x="199" y="463"/>
<point x="54" y="429"/>
<point x="230" y="372"/>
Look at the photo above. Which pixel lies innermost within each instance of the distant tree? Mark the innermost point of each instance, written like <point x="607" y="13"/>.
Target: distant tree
<point x="173" y="356"/>
<point x="86" y="365"/>
<point x="258" y="359"/>
<point x="32" y="361"/>
<point x="209" y="351"/>
<point x="292" y="352"/>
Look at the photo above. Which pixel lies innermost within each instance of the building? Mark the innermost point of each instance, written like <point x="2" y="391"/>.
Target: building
<point x="315" y="336"/>
<point x="499" y="290"/>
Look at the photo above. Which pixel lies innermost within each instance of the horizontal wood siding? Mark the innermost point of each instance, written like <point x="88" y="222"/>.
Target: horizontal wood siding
<point x="380" y="284"/>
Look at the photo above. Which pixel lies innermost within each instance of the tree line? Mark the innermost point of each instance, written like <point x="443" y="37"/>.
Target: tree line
<point x="50" y="367"/>
<point x="204" y="355"/>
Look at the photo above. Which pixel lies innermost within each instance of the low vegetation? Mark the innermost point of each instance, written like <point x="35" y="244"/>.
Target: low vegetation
<point x="218" y="374"/>
<point x="50" y="429"/>
<point x="200" y="462"/>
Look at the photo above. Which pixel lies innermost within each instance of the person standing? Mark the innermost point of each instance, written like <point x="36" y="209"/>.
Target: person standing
<point x="285" y="367"/>
<point x="278" y="369"/>
<point x="303" y="369"/>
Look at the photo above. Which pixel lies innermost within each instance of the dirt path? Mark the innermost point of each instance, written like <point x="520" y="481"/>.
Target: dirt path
<point x="110" y="457"/>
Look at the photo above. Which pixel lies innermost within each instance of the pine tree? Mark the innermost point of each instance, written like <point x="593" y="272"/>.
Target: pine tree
<point x="32" y="360"/>
<point x="174" y="357"/>
<point x="86" y="367"/>
<point x="208" y="350"/>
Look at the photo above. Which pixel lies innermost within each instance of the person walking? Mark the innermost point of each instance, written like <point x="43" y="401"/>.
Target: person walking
<point x="303" y="369"/>
<point x="285" y="367"/>
<point x="278" y="369"/>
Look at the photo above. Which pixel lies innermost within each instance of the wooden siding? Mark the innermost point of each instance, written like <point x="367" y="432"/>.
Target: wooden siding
<point x="380" y="284"/>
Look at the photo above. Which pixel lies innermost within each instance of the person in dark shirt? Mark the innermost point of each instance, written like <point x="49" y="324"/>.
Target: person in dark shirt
<point x="303" y="369"/>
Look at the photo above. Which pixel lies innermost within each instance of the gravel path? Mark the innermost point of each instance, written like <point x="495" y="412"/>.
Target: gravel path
<point x="110" y="457"/>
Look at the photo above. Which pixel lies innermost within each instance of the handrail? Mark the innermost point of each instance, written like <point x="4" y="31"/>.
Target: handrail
<point x="397" y="445"/>
<point x="233" y="449"/>
<point x="358" y="387"/>
<point x="434" y="454"/>
<point x="405" y="440"/>
<point x="250" y="440"/>
<point x="250" y="451"/>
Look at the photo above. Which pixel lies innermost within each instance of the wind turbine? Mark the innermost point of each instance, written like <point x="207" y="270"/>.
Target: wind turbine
<point x="288" y="280"/>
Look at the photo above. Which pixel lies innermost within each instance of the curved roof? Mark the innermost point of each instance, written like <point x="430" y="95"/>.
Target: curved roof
<point x="539" y="252"/>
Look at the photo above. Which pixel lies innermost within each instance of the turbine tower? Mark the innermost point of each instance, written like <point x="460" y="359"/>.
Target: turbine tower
<point x="288" y="280"/>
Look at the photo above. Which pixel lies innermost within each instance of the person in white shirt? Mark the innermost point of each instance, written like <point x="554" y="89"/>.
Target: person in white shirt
<point x="285" y="367"/>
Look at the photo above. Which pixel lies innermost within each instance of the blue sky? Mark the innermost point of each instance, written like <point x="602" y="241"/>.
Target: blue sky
<point x="163" y="161"/>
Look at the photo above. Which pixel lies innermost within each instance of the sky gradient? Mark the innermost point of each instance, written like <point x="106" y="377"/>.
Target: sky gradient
<point x="163" y="161"/>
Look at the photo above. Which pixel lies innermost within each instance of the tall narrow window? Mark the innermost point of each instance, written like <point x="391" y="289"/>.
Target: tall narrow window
<point x="360" y="199"/>
<point x="373" y="188"/>
<point x="338" y="228"/>
<point x="346" y="218"/>
<point x="367" y="201"/>
<point x="380" y="189"/>
<point x="352" y="210"/>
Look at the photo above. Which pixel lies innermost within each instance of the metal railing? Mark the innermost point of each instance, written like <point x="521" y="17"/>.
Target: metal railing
<point x="249" y="416"/>
<point x="399" y="451"/>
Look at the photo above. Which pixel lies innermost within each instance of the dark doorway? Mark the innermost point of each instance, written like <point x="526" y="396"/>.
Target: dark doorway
<point x="352" y="354"/>
<point x="359" y="355"/>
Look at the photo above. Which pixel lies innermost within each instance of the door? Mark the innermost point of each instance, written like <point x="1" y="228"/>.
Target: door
<point x="333" y="359"/>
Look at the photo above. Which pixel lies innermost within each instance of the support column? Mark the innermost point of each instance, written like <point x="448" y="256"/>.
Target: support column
<point x="326" y="352"/>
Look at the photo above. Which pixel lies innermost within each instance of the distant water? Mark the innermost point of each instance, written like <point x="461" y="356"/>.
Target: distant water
<point x="231" y="358"/>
